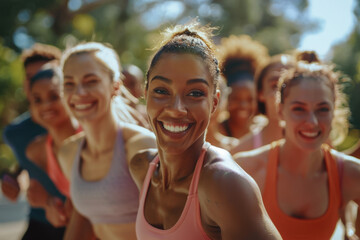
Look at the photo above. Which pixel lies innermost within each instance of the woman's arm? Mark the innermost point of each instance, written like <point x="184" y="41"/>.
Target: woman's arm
<point x="79" y="227"/>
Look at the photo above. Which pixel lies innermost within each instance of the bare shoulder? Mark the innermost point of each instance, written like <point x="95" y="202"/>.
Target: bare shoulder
<point x="243" y="144"/>
<point x="67" y="152"/>
<point x="139" y="164"/>
<point x="350" y="177"/>
<point x="222" y="171"/>
<point x="253" y="160"/>
<point x="137" y="138"/>
<point x="35" y="151"/>
<point x="351" y="164"/>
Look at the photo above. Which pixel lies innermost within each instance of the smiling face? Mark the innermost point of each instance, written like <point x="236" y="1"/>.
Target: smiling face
<point x="180" y="99"/>
<point x="308" y="112"/>
<point x="87" y="87"/>
<point x="242" y="103"/>
<point x="45" y="103"/>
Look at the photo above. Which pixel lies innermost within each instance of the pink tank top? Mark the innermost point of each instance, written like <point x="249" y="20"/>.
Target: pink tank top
<point x="257" y="140"/>
<point x="188" y="226"/>
<point x="54" y="171"/>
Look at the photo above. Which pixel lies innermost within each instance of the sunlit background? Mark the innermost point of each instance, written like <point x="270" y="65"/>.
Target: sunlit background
<point x="330" y="27"/>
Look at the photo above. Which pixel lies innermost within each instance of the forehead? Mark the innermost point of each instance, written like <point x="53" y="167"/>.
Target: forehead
<point x="45" y="84"/>
<point x="180" y="67"/>
<point x="310" y="90"/>
<point x="82" y="63"/>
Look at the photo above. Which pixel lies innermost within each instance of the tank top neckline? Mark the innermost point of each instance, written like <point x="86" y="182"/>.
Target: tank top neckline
<point x="273" y="164"/>
<point x="192" y="192"/>
<point x="112" y="168"/>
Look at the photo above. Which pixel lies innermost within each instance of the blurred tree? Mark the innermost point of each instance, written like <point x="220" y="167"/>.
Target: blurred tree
<point x="132" y="28"/>
<point x="346" y="56"/>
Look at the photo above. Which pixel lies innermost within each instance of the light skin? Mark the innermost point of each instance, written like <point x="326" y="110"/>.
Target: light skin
<point x="88" y="92"/>
<point x="272" y="131"/>
<point x="180" y="101"/>
<point x="47" y="110"/>
<point x="307" y="111"/>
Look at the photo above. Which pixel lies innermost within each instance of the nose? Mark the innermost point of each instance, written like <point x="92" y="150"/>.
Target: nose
<point x="177" y="107"/>
<point x="80" y="90"/>
<point x="312" y="118"/>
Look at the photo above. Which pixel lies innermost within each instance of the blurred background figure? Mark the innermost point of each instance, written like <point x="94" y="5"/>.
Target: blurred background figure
<point x="18" y="135"/>
<point x="240" y="57"/>
<point x="134" y="80"/>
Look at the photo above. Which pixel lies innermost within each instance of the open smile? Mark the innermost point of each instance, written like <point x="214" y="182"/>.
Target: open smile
<point x="175" y="129"/>
<point x="310" y="134"/>
<point x="83" y="106"/>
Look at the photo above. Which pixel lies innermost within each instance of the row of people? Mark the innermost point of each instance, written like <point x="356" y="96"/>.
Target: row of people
<point x="188" y="188"/>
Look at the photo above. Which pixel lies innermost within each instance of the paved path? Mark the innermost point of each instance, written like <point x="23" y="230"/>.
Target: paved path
<point x="13" y="220"/>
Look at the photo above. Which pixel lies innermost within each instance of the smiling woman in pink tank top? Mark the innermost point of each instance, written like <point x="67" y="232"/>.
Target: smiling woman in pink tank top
<point x="191" y="189"/>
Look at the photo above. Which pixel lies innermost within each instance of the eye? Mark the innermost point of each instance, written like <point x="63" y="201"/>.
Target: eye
<point x="324" y="109"/>
<point x="37" y="100"/>
<point x="69" y="85"/>
<point x="161" y="91"/>
<point x="54" y="97"/>
<point x="91" y="82"/>
<point x="298" y="109"/>
<point x="196" y="93"/>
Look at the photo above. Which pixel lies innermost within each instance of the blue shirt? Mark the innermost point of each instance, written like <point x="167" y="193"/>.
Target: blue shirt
<point x="18" y="135"/>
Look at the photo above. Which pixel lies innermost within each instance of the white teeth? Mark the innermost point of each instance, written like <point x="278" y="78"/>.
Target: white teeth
<point x="310" y="134"/>
<point x="82" y="106"/>
<point x="175" y="129"/>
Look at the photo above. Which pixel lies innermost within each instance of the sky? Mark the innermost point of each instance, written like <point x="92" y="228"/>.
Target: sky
<point x="336" y="22"/>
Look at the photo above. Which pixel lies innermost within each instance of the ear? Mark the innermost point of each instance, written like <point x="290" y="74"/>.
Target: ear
<point x="280" y="109"/>
<point x="116" y="87"/>
<point x="261" y="96"/>
<point x="216" y="99"/>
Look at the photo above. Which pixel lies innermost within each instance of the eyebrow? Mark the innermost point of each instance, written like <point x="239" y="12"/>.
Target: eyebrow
<point x="319" y="104"/>
<point x="190" y="81"/>
<point x="86" y="75"/>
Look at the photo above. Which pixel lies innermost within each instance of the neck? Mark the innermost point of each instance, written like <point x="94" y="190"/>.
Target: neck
<point x="59" y="134"/>
<point x="299" y="162"/>
<point x="175" y="168"/>
<point x="238" y="128"/>
<point x="100" y="135"/>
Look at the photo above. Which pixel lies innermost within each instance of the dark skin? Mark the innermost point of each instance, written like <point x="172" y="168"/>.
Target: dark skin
<point x="184" y="97"/>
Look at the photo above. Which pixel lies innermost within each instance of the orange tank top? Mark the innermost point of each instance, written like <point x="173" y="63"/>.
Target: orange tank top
<point x="54" y="171"/>
<point x="291" y="228"/>
<point x="188" y="226"/>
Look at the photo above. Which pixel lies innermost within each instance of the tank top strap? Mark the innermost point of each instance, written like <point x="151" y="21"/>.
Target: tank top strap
<point x="333" y="168"/>
<point x="49" y="154"/>
<point x="197" y="171"/>
<point x="271" y="171"/>
<point x="145" y="186"/>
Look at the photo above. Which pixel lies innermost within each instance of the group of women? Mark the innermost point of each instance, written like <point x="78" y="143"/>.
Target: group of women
<point x="124" y="181"/>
